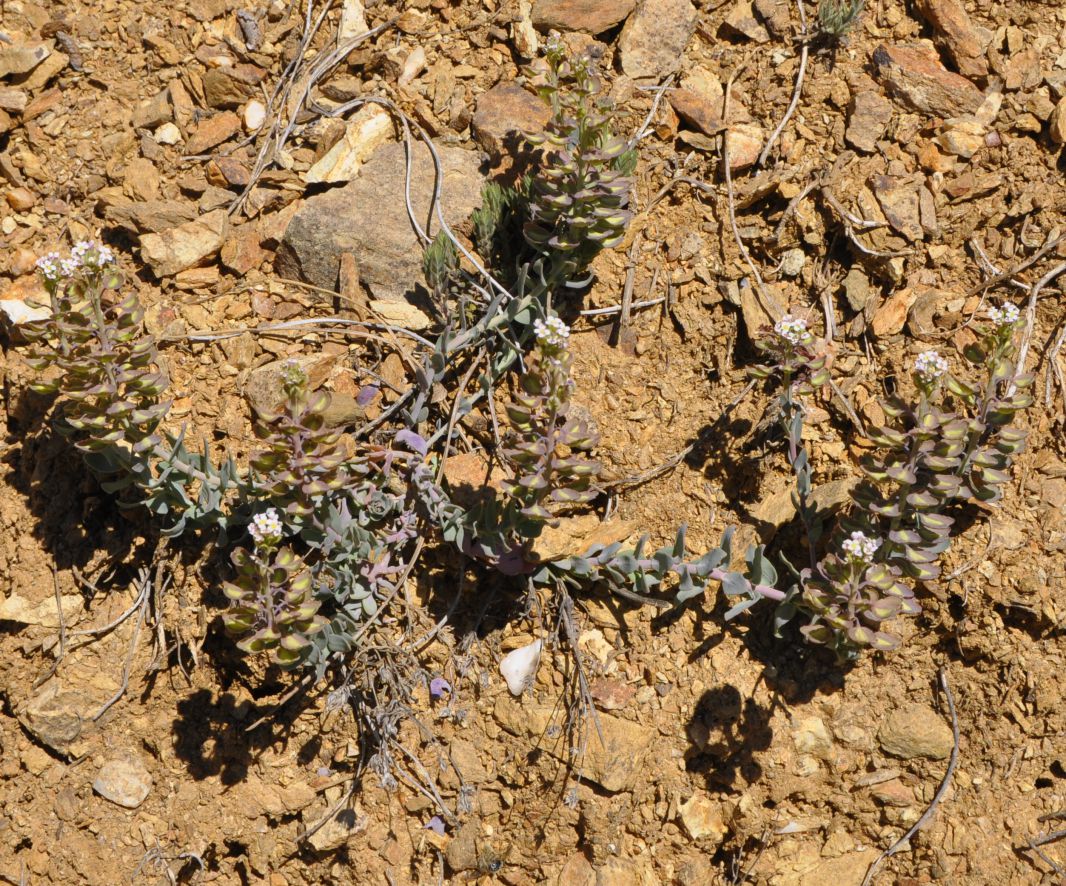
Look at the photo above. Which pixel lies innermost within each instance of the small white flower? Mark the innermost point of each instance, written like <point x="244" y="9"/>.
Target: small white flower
<point x="49" y="266"/>
<point x="266" y="528"/>
<point x="858" y="546"/>
<point x="552" y="332"/>
<point x="69" y="266"/>
<point x="792" y="329"/>
<point x="930" y="366"/>
<point x="1006" y="316"/>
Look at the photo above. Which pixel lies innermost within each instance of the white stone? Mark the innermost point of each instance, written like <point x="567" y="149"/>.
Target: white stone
<point x="254" y="115"/>
<point x="520" y="666"/>
<point x="168" y="134"/>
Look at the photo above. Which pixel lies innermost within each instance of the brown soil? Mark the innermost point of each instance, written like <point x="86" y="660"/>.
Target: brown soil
<point x="775" y="744"/>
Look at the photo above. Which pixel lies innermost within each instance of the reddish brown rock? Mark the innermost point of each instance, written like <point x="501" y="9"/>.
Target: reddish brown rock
<point x="241" y="252"/>
<point x="212" y="132"/>
<point x="916" y="76"/>
<point x="957" y="33"/>
<point x="590" y="16"/>
<point x="696" y="110"/>
<point x="503" y="113"/>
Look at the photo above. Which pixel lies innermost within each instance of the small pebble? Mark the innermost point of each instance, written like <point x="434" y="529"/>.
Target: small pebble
<point x="254" y="115"/>
<point x="168" y="134"/>
<point x="21" y="199"/>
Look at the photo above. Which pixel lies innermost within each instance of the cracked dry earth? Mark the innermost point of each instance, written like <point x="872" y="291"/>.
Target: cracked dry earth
<point x="727" y="756"/>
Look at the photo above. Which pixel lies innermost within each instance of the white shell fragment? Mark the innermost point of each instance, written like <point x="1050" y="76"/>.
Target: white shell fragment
<point x="520" y="666"/>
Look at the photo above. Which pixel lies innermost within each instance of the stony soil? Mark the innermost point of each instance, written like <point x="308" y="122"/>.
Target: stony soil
<point x="728" y="756"/>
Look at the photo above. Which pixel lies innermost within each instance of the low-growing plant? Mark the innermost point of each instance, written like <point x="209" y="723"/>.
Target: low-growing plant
<point x="104" y="365"/>
<point x="837" y="17"/>
<point x="954" y="444"/>
<point x="301" y="464"/>
<point x="272" y="605"/>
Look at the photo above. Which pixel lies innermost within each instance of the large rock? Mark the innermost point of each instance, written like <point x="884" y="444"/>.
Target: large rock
<point x="614" y="764"/>
<point x="590" y="16"/>
<point x="368" y="218"/>
<point x="915" y="75"/>
<point x="655" y="36"/>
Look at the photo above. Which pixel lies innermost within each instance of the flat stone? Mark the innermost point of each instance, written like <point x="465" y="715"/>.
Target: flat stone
<point x="812" y="737"/>
<point x="957" y="34"/>
<point x="900" y="202"/>
<point x="368" y="129"/>
<point x="590" y="16"/>
<point x="745" y="144"/>
<point x="149" y="216"/>
<point x="368" y="219"/>
<point x="915" y="74"/>
<point x="124" y="781"/>
<point x="654" y="38"/>
<point x="916" y="730"/>
<point x="869" y="114"/>
<point x="615" y="764"/>
<point x="230" y="87"/>
<point x="893" y="793"/>
<point x="22" y="611"/>
<point x="212" y="132"/>
<point x="153" y="112"/>
<point x="697" y="110"/>
<point x="503" y="114"/>
<point x="185" y="246"/>
<point x="21" y="58"/>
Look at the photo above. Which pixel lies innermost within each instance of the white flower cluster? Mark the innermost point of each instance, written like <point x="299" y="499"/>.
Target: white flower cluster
<point x="91" y="254"/>
<point x="552" y="332"/>
<point x="51" y="266"/>
<point x="266" y="528"/>
<point x="859" y="547"/>
<point x="792" y="329"/>
<point x="930" y="366"/>
<point x="1006" y="316"/>
<point x="86" y="253"/>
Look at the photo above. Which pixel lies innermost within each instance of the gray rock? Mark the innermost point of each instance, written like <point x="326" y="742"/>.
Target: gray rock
<point x="590" y="16"/>
<point x="869" y="114"/>
<point x="655" y="36"/>
<point x="916" y="730"/>
<point x="125" y="781"/>
<point x="368" y="218"/>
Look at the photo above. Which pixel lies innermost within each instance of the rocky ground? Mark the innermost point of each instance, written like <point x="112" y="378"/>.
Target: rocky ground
<point x="198" y="138"/>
